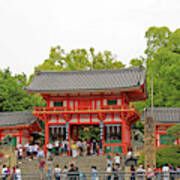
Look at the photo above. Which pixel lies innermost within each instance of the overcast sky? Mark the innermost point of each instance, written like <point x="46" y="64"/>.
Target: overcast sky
<point x="28" y="28"/>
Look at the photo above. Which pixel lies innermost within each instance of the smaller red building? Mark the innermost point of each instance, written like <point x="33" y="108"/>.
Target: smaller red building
<point x="18" y="125"/>
<point x="165" y="118"/>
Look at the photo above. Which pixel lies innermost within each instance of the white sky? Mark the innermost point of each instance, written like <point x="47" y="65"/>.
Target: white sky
<point x="28" y="28"/>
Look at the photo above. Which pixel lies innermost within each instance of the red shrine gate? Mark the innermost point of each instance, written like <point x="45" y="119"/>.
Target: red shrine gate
<point x="100" y="98"/>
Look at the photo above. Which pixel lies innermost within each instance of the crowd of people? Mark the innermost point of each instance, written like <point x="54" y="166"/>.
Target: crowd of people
<point x="32" y="151"/>
<point x="72" y="172"/>
<point x="113" y="169"/>
<point x="167" y="172"/>
<point x="11" y="174"/>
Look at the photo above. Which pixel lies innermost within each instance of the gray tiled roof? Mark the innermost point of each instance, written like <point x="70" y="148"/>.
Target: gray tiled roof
<point x="163" y="114"/>
<point x="56" y="81"/>
<point x="16" y="118"/>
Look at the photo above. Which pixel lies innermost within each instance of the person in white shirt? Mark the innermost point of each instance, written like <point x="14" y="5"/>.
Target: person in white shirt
<point x="109" y="171"/>
<point x="57" y="147"/>
<point x="57" y="172"/>
<point x="4" y="172"/>
<point x="30" y="149"/>
<point x="35" y="150"/>
<point x="65" y="170"/>
<point x="20" y="155"/>
<point x="117" y="159"/>
<point x="129" y="154"/>
<point x="18" y="173"/>
<point x="165" y="171"/>
<point x="140" y="172"/>
<point x="49" y="147"/>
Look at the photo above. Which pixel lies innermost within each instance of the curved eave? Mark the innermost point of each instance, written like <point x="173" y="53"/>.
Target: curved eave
<point x="21" y="126"/>
<point x="83" y="90"/>
<point x="15" y="126"/>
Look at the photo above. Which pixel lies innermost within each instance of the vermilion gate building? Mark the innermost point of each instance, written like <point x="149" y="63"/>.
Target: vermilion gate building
<point x="100" y="97"/>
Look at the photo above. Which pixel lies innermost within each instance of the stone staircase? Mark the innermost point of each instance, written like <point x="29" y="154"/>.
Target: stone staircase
<point x="84" y="163"/>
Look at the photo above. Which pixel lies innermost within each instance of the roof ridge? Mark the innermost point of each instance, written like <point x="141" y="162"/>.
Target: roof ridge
<point x="94" y="70"/>
<point x="164" y="108"/>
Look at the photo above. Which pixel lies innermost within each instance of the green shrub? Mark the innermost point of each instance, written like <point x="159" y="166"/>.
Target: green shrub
<point x="169" y="155"/>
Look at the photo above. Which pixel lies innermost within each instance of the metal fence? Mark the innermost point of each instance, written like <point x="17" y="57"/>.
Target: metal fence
<point x="93" y="176"/>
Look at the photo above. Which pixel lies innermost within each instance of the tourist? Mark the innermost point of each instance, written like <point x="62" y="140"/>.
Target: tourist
<point x="94" y="146"/>
<point x="109" y="171"/>
<point x="132" y="169"/>
<point x="115" y="172"/>
<point x="140" y="172"/>
<point x="94" y="175"/>
<point x="18" y="173"/>
<point x="8" y="172"/>
<point x="42" y="167"/>
<point x="64" y="171"/>
<point x="88" y="147"/>
<point x="27" y="150"/>
<point x="84" y="147"/>
<point x="20" y="155"/>
<point x="157" y="173"/>
<point x="4" y="172"/>
<point x="74" y="150"/>
<point x="49" y="168"/>
<point x="50" y="148"/>
<point x="64" y="146"/>
<point x="129" y="153"/>
<point x="109" y="161"/>
<point x="165" y="171"/>
<point x="149" y="173"/>
<point x="178" y="171"/>
<point x="72" y="172"/>
<point x="57" y="172"/>
<point x="13" y="174"/>
<point x="80" y="148"/>
<point x="117" y="159"/>
<point x="35" y="150"/>
<point x="30" y="150"/>
<point x="56" y="146"/>
<point x="40" y="154"/>
<point x="80" y="175"/>
<point x="172" y="172"/>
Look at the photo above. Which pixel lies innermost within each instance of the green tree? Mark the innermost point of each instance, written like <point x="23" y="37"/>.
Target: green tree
<point x="165" y="155"/>
<point x="174" y="132"/>
<point x="79" y="59"/>
<point x="163" y="65"/>
<point x="12" y="95"/>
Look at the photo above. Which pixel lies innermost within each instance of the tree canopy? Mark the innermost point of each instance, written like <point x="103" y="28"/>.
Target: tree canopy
<point x="79" y="59"/>
<point x="12" y="95"/>
<point x="162" y="63"/>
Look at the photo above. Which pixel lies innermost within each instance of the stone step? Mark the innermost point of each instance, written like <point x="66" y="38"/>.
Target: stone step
<point x="84" y="163"/>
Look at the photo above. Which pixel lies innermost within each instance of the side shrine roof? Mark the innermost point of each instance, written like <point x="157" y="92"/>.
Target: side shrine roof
<point x="64" y="81"/>
<point x="10" y="119"/>
<point x="163" y="114"/>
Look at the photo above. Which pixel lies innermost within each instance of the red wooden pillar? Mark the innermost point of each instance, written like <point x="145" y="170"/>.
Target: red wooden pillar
<point x="20" y="136"/>
<point x="46" y="134"/>
<point x="123" y="136"/>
